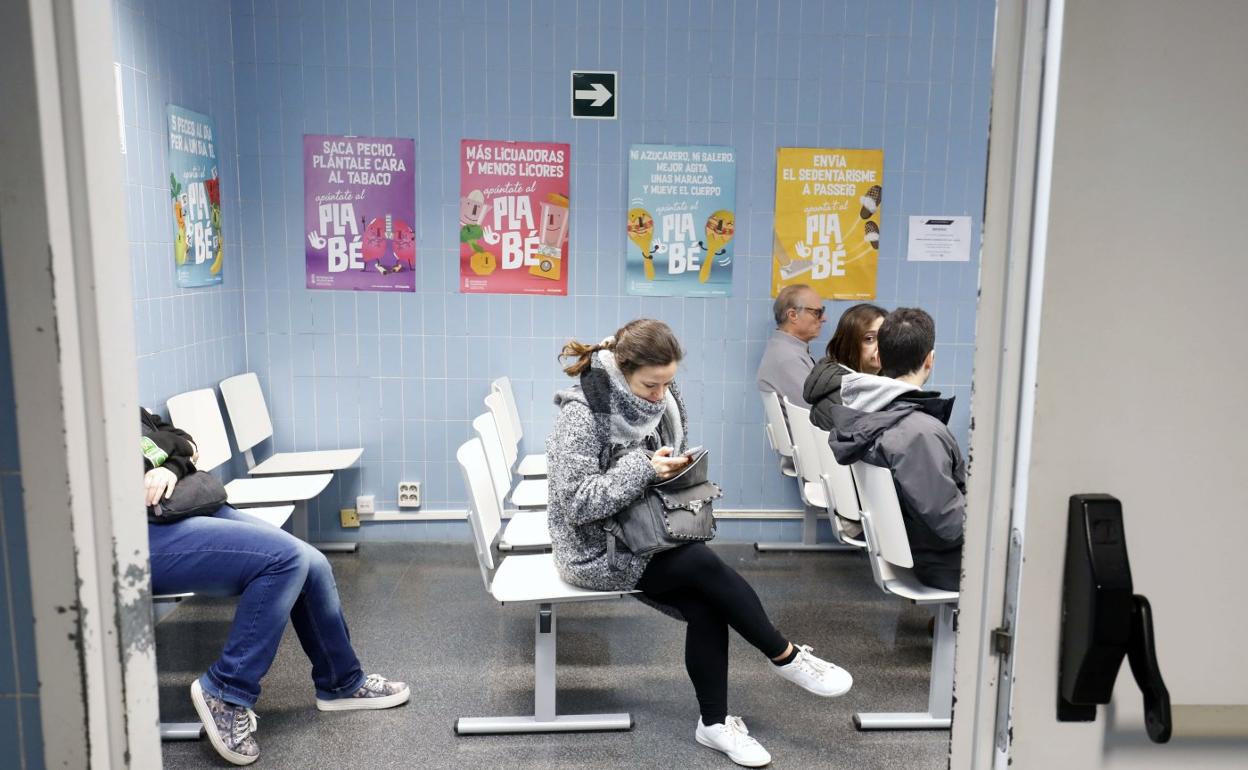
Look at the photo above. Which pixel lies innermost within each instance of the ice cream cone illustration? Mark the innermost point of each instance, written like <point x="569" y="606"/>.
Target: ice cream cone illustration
<point x="871" y="234"/>
<point x="871" y="202"/>
<point x="641" y="232"/>
<point x="720" y="227"/>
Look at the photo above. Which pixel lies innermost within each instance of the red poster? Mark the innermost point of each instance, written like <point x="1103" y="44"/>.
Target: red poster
<point x="514" y="209"/>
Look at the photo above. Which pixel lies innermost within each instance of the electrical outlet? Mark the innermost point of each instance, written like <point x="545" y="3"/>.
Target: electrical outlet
<point x="364" y="504"/>
<point x="349" y="517"/>
<point x="409" y="494"/>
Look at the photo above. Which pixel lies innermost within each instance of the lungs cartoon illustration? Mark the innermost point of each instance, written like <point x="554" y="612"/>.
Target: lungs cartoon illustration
<point x="389" y="236"/>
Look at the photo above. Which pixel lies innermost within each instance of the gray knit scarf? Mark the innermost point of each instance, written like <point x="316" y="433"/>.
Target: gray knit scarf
<point x="632" y="417"/>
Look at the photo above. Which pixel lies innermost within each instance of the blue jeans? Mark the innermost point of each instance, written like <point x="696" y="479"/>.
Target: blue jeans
<point x="276" y="576"/>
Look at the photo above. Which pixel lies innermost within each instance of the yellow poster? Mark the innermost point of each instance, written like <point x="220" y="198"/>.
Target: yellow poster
<point x="827" y="230"/>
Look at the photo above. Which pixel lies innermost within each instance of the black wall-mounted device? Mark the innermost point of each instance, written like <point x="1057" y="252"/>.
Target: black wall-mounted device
<point x="1103" y="620"/>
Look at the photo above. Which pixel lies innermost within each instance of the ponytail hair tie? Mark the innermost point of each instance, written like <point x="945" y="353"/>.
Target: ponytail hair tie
<point x="607" y="343"/>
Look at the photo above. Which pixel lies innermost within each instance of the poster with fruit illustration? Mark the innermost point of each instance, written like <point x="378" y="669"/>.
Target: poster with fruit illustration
<point x="359" y="213"/>
<point x="827" y="228"/>
<point x="195" y="198"/>
<point x="514" y="208"/>
<point x="681" y="221"/>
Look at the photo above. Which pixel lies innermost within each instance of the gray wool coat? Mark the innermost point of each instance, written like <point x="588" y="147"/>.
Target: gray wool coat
<point x="586" y="487"/>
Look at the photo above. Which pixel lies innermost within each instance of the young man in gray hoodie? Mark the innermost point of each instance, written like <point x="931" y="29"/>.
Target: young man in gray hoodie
<point x="890" y="421"/>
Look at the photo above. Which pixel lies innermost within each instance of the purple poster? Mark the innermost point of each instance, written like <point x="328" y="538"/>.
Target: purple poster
<point x="360" y="213"/>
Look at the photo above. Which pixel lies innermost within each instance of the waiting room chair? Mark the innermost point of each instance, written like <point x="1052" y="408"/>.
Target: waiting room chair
<point x="892" y="566"/>
<point x="197" y="413"/>
<point x="531" y="465"/>
<point x="814" y="496"/>
<point x="838" y="481"/>
<point x="526" y="493"/>
<point x="777" y="431"/>
<point x="249" y="417"/>
<point x="526" y="530"/>
<point x="163" y="606"/>
<point x="525" y="579"/>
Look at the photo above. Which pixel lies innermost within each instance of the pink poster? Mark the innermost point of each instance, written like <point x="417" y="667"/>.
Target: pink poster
<point x="514" y="209"/>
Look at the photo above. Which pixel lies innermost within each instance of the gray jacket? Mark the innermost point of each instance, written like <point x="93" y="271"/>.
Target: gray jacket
<point x="894" y="425"/>
<point x="590" y="480"/>
<point x="785" y="365"/>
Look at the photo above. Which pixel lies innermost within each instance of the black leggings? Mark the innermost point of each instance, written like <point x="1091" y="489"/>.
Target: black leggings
<point x="711" y="596"/>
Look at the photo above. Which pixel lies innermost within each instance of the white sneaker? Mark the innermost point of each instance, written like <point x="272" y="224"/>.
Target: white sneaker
<point x="733" y="739"/>
<point x="377" y="692"/>
<point x="816" y="675"/>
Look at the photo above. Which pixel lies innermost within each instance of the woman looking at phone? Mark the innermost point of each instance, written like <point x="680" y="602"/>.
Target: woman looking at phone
<point x="622" y="427"/>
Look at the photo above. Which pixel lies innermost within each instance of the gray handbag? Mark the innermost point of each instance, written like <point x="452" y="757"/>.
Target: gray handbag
<point x="668" y="514"/>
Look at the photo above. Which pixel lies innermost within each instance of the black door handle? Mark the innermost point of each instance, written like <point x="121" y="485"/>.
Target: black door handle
<point x="1103" y="620"/>
<point x="1143" y="657"/>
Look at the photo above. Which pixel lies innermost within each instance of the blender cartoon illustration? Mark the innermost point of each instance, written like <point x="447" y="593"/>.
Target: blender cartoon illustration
<point x="472" y="211"/>
<point x="553" y="233"/>
<point x="641" y="232"/>
<point x="720" y="227"/>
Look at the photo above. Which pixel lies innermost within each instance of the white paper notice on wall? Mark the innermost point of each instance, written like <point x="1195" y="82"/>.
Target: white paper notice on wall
<point x="939" y="239"/>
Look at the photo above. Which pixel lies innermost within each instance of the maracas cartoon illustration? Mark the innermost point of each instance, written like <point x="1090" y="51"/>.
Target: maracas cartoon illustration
<point x="641" y="232"/>
<point x="720" y="227"/>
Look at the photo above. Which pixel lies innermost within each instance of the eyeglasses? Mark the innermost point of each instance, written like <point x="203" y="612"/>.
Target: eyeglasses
<point x="817" y="312"/>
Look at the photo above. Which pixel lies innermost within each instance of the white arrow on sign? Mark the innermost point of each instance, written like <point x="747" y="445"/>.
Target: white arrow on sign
<point x="598" y="92"/>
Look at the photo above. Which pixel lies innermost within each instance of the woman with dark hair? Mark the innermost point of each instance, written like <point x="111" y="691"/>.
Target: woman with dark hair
<point x="621" y="428"/>
<point x="851" y="349"/>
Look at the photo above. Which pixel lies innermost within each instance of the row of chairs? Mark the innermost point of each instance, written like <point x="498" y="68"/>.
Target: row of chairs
<point x="288" y="478"/>
<point x="861" y="501"/>
<point x="284" y="477"/>
<point x="862" y="494"/>
<point x="781" y="437"/>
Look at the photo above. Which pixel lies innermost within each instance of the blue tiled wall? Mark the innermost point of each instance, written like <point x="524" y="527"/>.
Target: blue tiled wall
<point x="403" y="375"/>
<point x="20" y="731"/>
<point x="177" y="53"/>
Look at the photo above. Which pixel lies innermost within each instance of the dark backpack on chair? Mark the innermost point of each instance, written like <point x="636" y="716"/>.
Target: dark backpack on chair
<point x="196" y="494"/>
<point x="667" y="514"/>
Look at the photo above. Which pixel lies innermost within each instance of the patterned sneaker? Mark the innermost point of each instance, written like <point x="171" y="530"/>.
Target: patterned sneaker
<point x="229" y="727"/>
<point x="733" y="739"/>
<point x="377" y="692"/>
<point x="816" y="675"/>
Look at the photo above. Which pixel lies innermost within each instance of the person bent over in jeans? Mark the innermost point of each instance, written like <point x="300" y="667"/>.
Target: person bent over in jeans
<point x="276" y="577"/>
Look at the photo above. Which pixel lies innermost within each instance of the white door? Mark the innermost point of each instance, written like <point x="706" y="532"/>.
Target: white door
<point x="1139" y="360"/>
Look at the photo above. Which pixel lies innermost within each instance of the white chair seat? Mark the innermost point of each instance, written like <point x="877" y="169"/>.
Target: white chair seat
<point x="903" y="583"/>
<point x="276" y="489"/>
<point x="530" y="493"/>
<point x="533" y="578"/>
<point x="525" y="531"/>
<point x="275" y="515"/>
<point x="532" y="466"/>
<point x="814" y="494"/>
<point x="787" y="467"/>
<point x="307" y="462"/>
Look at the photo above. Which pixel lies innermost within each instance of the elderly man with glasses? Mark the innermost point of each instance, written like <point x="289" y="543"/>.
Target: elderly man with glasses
<point x="786" y="361"/>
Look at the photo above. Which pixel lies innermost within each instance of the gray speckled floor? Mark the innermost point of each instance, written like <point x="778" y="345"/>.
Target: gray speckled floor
<point x="419" y="612"/>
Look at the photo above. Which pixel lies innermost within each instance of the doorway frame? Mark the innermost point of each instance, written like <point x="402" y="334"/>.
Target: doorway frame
<point x="1026" y="62"/>
<point x="70" y="317"/>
